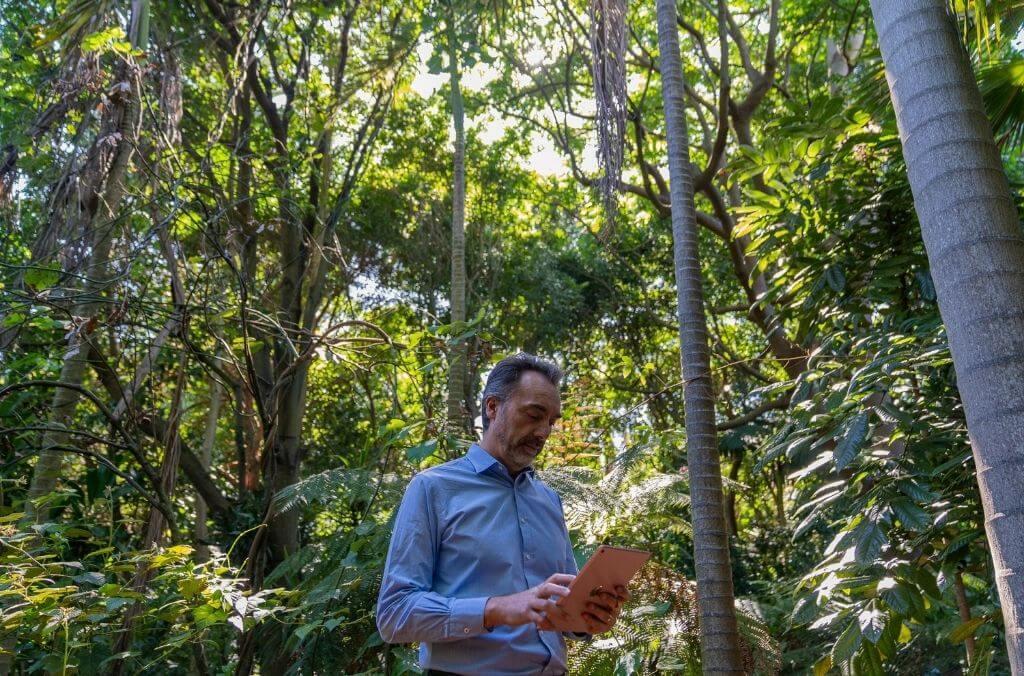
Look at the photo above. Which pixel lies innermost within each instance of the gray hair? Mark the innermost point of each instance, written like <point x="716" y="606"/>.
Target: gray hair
<point x="506" y="374"/>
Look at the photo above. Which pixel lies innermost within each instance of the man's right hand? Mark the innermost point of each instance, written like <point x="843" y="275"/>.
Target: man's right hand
<point x="527" y="607"/>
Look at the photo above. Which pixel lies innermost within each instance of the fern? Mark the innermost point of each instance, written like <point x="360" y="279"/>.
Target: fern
<point x="354" y="485"/>
<point x="660" y="630"/>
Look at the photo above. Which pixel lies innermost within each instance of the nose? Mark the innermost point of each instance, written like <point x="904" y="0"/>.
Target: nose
<point x="545" y="431"/>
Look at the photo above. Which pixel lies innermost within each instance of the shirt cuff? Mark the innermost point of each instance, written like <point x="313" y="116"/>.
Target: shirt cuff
<point x="466" y="617"/>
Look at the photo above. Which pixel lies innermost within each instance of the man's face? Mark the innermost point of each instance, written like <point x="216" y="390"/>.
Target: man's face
<point x="521" y="423"/>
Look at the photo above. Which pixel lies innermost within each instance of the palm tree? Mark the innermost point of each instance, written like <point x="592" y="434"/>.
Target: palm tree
<point x="457" y="366"/>
<point x="720" y="646"/>
<point x="975" y="249"/>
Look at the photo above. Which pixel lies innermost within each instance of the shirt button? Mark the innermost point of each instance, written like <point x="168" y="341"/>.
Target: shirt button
<point x="529" y="556"/>
<point x="523" y="520"/>
<point x="465" y="630"/>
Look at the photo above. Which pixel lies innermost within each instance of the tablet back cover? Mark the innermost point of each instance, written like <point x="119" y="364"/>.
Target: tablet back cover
<point x="607" y="568"/>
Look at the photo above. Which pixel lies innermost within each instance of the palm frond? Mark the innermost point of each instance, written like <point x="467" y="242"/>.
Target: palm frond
<point x="1002" y="89"/>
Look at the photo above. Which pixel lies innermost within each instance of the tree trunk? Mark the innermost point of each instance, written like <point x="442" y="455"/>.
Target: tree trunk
<point x="206" y="457"/>
<point x="457" y="366"/>
<point x="976" y="252"/>
<point x="283" y="528"/>
<point x="964" y="609"/>
<point x="719" y="635"/>
<point x="156" y="522"/>
<point x="105" y="175"/>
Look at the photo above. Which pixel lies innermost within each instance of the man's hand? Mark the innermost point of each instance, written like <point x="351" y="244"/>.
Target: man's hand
<point x="602" y="610"/>
<point x="527" y="607"/>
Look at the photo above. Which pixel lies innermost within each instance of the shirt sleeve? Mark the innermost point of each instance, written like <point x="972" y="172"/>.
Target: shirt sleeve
<point x="408" y="610"/>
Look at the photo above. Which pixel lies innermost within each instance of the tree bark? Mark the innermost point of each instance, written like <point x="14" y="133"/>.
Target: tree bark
<point x="965" y="613"/>
<point x="457" y="356"/>
<point x="975" y="248"/>
<point x="156" y="522"/>
<point x="109" y="158"/>
<point x="206" y="458"/>
<point x="720" y="646"/>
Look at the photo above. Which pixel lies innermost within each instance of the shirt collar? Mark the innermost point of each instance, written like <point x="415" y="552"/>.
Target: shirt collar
<point x="482" y="460"/>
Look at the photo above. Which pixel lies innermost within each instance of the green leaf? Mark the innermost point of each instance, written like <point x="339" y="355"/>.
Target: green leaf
<point x="852" y="440"/>
<point x="965" y="630"/>
<point x="434" y="66"/>
<point x="835" y="278"/>
<point x="41" y="278"/>
<point x="207" y="616"/>
<point x="869" y="540"/>
<point x="421" y="451"/>
<point x="820" y="171"/>
<point x="872" y="623"/>
<point x="104" y="38"/>
<point x="911" y="516"/>
<point x="847" y="644"/>
<point x="92" y="577"/>
<point x="982" y="658"/>
<point x="304" y="630"/>
<point x="896" y="595"/>
<point x="960" y="542"/>
<point x="869" y="661"/>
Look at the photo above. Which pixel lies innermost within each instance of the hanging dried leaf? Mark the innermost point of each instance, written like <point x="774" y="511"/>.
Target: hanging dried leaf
<point x="170" y="98"/>
<point x="608" y="50"/>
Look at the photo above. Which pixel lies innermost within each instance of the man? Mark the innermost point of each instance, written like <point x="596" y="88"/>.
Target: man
<point x="480" y="551"/>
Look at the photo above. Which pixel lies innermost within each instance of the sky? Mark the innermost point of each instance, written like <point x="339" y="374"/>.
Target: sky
<point x="545" y="160"/>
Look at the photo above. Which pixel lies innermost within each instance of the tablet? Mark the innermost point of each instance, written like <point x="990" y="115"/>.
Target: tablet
<point x="606" y="569"/>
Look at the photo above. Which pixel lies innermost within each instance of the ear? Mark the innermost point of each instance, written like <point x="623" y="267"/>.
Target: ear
<point x="491" y="408"/>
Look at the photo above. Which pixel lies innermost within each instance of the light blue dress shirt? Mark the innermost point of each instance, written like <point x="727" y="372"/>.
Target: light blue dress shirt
<point x="467" y="531"/>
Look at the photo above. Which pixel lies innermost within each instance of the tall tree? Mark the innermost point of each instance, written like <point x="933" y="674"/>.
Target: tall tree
<point x="457" y="365"/>
<point x="96" y="209"/>
<point x="975" y="248"/>
<point x="719" y="635"/>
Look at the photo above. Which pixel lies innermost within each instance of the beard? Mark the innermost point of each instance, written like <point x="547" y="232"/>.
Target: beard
<point x="520" y="453"/>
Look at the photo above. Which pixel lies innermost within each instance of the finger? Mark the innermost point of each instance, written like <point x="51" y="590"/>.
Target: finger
<point x="548" y="589"/>
<point x="601" y="606"/>
<point x="564" y="579"/>
<point x="546" y="606"/>
<point x="623" y="593"/>
<point x="545" y="625"/>
<point x="600" y="614"/>
<point x="610" y="598"/>
<point x="535" y="617"/>
<point x="595" y="624"/>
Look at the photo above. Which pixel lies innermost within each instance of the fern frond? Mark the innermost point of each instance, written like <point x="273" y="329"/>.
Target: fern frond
<point x="334" y="484"/>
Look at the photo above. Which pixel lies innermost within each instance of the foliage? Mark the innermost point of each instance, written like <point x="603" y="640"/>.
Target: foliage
<point x="321" y="130"/>
<point x="61" y="611"/>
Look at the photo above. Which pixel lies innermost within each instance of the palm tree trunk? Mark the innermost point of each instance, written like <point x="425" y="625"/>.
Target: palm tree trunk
<point x="457" y="365"/>
<point x="719" y="635"/>
<point x="976" y="252"/>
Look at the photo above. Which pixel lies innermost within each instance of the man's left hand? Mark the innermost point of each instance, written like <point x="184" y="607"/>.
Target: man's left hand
<point x="602" y="610"/>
